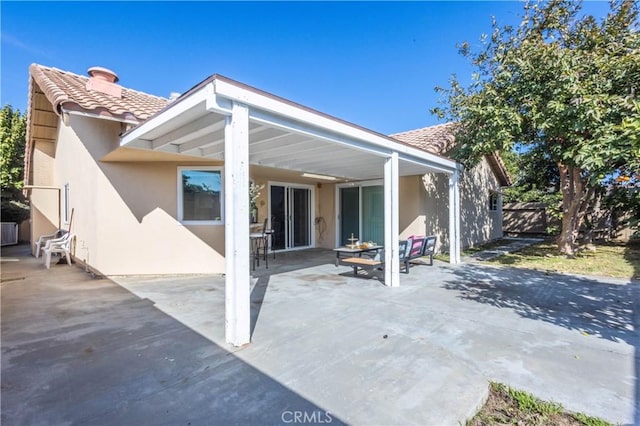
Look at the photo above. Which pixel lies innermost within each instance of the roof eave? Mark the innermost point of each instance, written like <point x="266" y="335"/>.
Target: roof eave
<point x="218" y="93"/>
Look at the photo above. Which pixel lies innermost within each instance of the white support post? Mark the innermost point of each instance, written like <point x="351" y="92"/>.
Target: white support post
<point x="391" y="222"/>
<point x="454" y="217"/>
<point x="236" y="228"/>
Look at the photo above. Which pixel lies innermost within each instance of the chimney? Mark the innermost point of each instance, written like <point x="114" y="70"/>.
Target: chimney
<point x="104" y="80"/>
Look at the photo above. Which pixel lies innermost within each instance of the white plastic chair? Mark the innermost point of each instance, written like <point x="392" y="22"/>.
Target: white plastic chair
<point x="42" y="241"/>
<point x="60" y="245"/>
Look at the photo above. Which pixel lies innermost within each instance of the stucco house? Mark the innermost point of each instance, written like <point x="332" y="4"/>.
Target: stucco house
<point x="160" y="186"/>
<point x="480" y="189"/>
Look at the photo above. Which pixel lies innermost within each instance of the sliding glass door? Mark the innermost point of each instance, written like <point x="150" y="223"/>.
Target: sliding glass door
<point x="373" y="214"/>
<point x="361" y="213"/>
<point x="349" y="214"/>
<point x="290" y="211"/>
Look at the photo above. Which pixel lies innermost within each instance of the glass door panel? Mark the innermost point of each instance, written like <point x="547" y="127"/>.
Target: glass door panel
<point x="300" y="217"/>
<point x="278" y="217"/>
<point x="373" y="214"/>
<point x="349" y="214"/>
<point x="290" y="216"/>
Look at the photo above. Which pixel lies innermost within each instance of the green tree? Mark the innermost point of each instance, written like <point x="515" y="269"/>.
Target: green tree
<point x="562" y="85"/>
<point x="13" y="126"/>
<point x="535" y="177"/>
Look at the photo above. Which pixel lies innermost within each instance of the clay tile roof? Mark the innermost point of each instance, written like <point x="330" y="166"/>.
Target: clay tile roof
<point x="63" y="88"/>
<point x="435" y="139"/>
<point x="441" y="139"/>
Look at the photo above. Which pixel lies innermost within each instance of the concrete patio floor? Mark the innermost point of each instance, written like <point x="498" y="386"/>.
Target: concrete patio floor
<point x="78" y="350"/>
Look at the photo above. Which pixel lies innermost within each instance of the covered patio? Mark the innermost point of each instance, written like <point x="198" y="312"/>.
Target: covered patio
<point x="323" y="341"/>
<point x="423" y="353"/>
<point x="240" y="126"/>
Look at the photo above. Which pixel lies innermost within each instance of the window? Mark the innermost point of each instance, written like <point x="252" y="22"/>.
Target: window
<point x="64" y="204"/>
<point x="200" y="195"/>
<point x="493" y="201"/>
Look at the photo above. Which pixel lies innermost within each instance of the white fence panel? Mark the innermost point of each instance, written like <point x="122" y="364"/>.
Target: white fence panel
<point x="9" y="233"/>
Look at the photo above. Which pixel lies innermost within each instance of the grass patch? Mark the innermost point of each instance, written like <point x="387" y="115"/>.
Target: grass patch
<point x="509" y="406"/>
<point x="608" y="259"/>
<point x="488" y="246"/>
<point x="472" y="250"/>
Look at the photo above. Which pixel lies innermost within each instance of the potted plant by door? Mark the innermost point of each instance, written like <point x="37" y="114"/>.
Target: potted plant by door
<point x="254" y="194"/>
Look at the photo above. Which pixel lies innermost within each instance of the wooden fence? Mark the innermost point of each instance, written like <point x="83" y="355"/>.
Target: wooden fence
<point x="534" y="219"/>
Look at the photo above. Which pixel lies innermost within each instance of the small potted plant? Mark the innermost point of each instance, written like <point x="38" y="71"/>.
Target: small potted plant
<point x="254" y="194"/>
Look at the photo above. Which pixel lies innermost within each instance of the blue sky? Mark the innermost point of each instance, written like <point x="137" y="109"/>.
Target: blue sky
<point x="374" y="64"/>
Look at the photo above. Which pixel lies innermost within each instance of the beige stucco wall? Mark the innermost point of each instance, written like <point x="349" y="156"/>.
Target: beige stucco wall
<point x="326" y="217"/>
<point x="324" y="200"/>
<point x="411" y="218"/>
<point x="125" y="214"/>
<point x="478" y="224"/>
<point x="44" y="218"/>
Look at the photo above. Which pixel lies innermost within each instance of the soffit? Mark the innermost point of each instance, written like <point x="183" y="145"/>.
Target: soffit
<point x="282" y="135"/>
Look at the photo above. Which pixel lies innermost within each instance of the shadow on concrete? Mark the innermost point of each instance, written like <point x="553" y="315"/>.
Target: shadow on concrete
<point x="281" y="263"/>
<point x="294" y="260"/>
<point x="602" y="309"/>
<point x="257" y="299"/>
<point x="83" y="351"/>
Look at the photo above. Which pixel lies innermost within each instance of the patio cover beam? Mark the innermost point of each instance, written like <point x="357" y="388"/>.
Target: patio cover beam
<point x="454" y="217"/>
<point x="236" y="227"/>
<point x="391" y="224"/>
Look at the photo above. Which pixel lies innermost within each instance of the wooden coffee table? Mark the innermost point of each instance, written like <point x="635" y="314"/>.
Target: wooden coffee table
<point x="347" y="252"/>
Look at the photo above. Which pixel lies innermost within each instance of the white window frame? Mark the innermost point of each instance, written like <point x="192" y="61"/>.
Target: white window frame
<point x="181" y="200"/>
<point x="64" y="204"/>
<point x="494" y="196"/>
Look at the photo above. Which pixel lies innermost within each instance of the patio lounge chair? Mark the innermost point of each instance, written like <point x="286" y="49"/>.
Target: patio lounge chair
<point x="420" y="246"/>
<point x="61" y="246"/>
<point x="414" y="250"/>
<point x="429" y="247"/>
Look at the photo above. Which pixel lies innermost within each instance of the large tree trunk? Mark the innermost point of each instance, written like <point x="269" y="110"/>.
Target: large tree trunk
<point x="575" y="200"/>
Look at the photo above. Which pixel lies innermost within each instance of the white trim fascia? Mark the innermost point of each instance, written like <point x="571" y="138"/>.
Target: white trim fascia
<point x="170" y="113"/>
<point x="199" y="128"/>
<point x="102" y="117"/>
<point x="219" y="96"/>
<point x="281" y="109"/>
<point x="41" y="187"/>
<point x="431" y="167"/>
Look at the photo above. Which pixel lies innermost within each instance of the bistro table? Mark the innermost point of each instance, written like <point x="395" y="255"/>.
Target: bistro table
<point x="345" y="252"/>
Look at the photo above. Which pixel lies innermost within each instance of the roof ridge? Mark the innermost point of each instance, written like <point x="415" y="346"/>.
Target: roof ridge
<point x="424" y="128"/>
